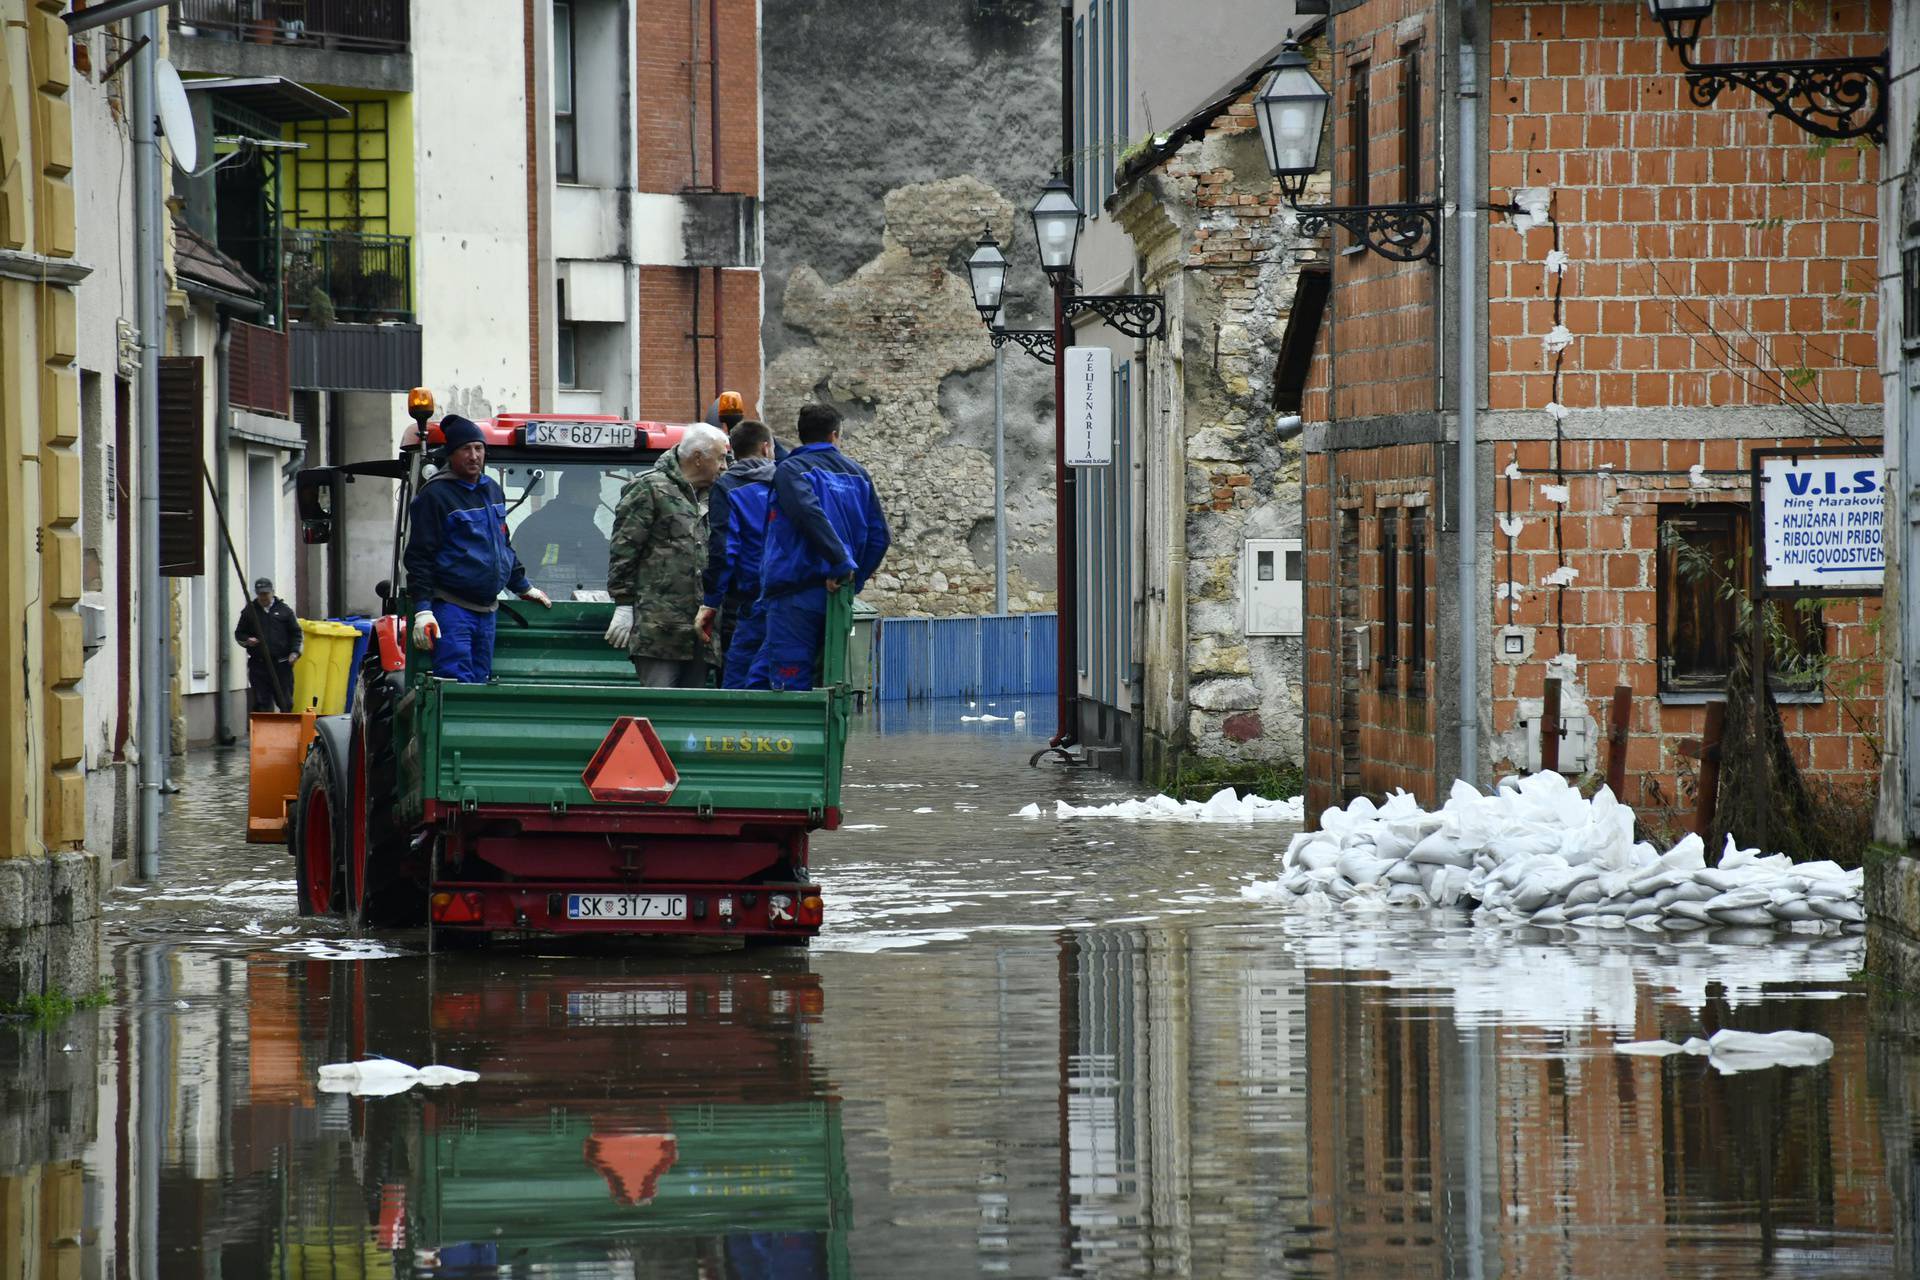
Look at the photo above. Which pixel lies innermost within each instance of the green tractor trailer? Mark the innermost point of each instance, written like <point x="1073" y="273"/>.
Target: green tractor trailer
<point x="562" y="796"/>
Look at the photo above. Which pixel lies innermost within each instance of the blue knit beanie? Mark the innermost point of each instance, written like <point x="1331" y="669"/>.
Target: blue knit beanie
<point x="458" y="431"/>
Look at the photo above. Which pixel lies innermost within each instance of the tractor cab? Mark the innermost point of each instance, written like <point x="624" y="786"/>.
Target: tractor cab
<point x="561" y="473"/>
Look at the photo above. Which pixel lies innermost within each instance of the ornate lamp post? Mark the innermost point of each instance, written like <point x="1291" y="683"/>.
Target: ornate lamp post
<point x="1057" y="221"/>
<point x="1291" y="109"/>
<point x="1827" y="97"/>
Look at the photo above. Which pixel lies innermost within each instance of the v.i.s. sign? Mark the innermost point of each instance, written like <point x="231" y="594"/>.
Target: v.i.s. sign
<point x="1821" y="522"/>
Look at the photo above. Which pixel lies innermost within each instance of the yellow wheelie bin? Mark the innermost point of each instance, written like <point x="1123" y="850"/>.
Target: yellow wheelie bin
<point x="324" y="669"/>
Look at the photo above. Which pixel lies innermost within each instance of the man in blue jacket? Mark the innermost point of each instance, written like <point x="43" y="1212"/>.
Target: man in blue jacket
<point x="825" y="532"/>
<point x="736" y="530"/>
<point x="459" y="558"/>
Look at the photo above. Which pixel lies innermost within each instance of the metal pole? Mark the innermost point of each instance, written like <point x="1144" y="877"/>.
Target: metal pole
<point x="223" y="603"/>
<point x="1467" y="517"/>
<point x="1063" y="514"/>
<point x="1063" y="528"/>
<point x="999" y="479"/>
<point x="152" y="610"/>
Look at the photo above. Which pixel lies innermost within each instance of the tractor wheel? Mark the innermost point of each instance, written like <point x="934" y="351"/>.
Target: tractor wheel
<point x="319" y="834"/>
<point x="383" y="892"/>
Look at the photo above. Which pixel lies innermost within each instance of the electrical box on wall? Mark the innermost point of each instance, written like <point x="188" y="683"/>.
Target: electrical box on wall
<point x="1271" y="573"/>
<point x="1576" y="744"/>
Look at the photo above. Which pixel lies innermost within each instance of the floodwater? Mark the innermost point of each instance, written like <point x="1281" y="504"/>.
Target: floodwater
<point x="1023" y="1047"/>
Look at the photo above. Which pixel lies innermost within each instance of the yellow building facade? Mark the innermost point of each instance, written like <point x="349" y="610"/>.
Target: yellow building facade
<point x="42" y="792"/>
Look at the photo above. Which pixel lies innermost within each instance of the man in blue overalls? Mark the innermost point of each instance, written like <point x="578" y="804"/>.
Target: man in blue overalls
<point x="825" y="532"/>
<point x="736" y="530"/>
<point x="459" y="558"/>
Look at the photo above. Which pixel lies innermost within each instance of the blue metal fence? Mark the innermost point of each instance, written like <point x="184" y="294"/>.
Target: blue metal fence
<point x="971" y="657"/>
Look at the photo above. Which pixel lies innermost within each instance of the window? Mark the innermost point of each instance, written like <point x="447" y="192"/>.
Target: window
<point x="1110" y="150"/>
<point x="1359" y="109"/>
<point x="1078" y="159"/>
<point x="1091" y="200"/>
<point x="1702" y="550"/>
<point x="1389" y="597"/>
<point x="1417" y="605"/>
<point x="183" y="442"/>
<point x="566" y="165"/>
<point x="567" y="374"/>
<point x="1410" y="123"/>
<point x="1910" y="288"/>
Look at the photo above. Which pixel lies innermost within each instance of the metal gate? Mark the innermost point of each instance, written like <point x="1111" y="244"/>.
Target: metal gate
<point x="970" y="657"/>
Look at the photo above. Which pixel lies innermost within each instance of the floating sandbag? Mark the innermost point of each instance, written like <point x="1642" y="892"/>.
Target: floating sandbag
<point x="1223" y="806"/>
<point x="380" y="1077"/>
<point x="1734" y="1051"/>
<point x="1538" y="852"/>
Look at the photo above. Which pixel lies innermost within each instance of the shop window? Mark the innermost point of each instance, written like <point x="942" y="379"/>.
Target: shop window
<point x="1703" y="571"/>
<point x="1389" y="598"/>
<point x="1417" y="606"/>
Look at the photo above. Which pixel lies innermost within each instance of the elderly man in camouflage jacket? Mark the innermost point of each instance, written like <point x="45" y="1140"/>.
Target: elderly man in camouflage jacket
<point x="658" y="548"/>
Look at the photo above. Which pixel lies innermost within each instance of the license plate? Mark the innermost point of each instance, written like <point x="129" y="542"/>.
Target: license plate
<point x="626" y="906"/>
<point x="581" y="435"/>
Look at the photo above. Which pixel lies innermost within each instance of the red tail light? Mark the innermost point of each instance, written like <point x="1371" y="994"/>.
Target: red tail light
<point x="455" y="908"/>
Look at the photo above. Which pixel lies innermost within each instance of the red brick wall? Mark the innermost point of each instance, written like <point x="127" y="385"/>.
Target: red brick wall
<point x="674" y="134"/>
<point x="1608" y="532"/>
<point x="1369" y="730"/>
<point x="1384" y="315"/>
<point x="1675" y="219"/>
<point x="667" y="393"/>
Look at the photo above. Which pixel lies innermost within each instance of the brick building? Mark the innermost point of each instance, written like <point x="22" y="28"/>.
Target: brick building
<point x="1679" y="286"/>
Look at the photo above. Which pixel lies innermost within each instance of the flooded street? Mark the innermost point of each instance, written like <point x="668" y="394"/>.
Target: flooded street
<point x="1023" y="1047"/>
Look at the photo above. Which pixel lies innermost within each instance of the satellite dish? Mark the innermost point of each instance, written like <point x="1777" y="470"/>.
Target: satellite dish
<point x="176" y="117"/>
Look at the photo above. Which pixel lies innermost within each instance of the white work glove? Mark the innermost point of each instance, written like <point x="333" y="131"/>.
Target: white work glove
<point x="426" y="629"/>
<point x="620" y="630"/>
<point x="538" y="596"/>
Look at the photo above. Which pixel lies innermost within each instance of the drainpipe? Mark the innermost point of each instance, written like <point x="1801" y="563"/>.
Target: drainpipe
<point x="1467" y="518"/>
<point x="223" y="603"/>
<point x="713" y="165"/>
<point x="149" y="254"/>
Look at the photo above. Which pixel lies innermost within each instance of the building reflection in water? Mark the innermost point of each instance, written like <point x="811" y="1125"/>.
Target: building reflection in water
<point x="630" y="1120"/>
<point x="1120" y="1101"/>
<point x="1226" y="1113"/>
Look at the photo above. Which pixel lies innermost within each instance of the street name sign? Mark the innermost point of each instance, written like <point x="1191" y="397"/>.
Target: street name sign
<point x="1820" y="520"/>
<point x="1089" y="378"/>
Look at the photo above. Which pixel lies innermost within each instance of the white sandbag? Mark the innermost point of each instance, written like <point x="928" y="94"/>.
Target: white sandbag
<point x="1319" y="856"/>
<point x="1743" y="915"/>
<point x="1405" y="872"/>
<point x="1361" y="866"/>
<point x="1649" y="1048"/>
<point x="1549" y="916"/>
<point x="1835" y="909"/>
<point x="1732" y="1051"/>
<point x="1441" y="849"/>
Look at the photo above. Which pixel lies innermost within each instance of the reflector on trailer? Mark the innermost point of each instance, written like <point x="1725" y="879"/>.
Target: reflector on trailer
<point x="631" y="765"/>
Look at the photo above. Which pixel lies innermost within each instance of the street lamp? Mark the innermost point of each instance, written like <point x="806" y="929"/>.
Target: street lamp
<point x="1056" y="228"/>
<point x="987" y="275"/>
<point x="1291" y="110"/>
<point x="1827" y="97"/>
<point x="1057" y="220"/>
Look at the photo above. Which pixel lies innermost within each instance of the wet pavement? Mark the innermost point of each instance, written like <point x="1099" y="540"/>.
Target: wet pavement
<point x="1022" y="1047"/>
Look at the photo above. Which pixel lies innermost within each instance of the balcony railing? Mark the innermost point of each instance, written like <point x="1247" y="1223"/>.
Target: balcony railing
<point x="353" y="26"/>
<point x="349" y="276"/>
<point x="258" y="376"/>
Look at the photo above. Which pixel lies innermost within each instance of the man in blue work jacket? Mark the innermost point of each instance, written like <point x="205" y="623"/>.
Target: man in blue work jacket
<point x="459" y="558"/>
<point x="736" y="531"/>
<point x="825" y="532"/>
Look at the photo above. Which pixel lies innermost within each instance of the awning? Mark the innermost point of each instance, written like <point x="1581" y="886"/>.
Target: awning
<point x="272" y="98"/>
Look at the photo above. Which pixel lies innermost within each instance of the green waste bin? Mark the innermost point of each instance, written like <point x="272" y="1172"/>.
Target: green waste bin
<point x="860" y="651"/>
<point x="324" y="668"/>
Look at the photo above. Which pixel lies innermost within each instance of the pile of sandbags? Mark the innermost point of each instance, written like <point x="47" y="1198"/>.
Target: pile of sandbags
<point x="1538" y="852"/>
<point x="1223" y="806"/>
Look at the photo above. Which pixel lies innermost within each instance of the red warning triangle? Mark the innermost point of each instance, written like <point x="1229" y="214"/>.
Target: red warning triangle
<point x="631" y="766"/>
